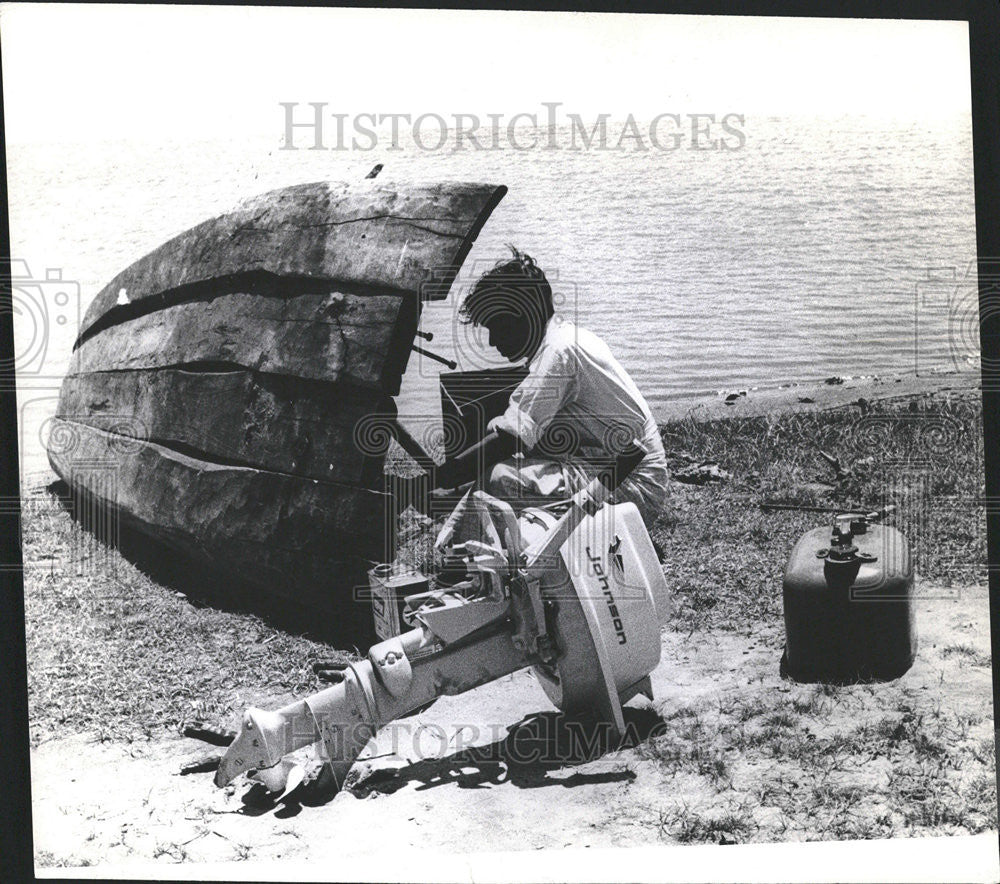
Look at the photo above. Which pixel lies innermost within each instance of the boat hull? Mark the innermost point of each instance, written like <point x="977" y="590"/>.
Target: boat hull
<point x="220" y="388"/>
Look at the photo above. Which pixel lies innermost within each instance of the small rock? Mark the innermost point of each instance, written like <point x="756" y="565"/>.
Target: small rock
<point x="806" y="399"/>
<point x="834" y="381"/>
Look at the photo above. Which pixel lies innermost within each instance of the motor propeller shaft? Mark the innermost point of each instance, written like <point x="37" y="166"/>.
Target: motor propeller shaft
<point x="397" y="677"/>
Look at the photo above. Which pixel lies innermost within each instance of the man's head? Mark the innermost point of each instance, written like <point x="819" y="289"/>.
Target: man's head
<point x="513" y="302"/>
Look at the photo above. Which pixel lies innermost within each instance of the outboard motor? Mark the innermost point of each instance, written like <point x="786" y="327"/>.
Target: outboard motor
<point x="578" y="597"/>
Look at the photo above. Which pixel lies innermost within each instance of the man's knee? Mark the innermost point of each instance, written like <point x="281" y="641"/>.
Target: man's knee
<point x="505" y="479"/>
<point x="527" y="479"/>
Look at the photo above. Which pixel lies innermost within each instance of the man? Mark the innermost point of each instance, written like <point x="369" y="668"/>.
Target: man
<point x="571" y="416"/>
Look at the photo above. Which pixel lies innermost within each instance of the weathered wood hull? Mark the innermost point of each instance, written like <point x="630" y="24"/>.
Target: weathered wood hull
<point x="220" y="387"/>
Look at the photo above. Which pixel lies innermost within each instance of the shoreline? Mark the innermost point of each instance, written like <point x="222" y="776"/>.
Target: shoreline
<point x="817" y="395"/>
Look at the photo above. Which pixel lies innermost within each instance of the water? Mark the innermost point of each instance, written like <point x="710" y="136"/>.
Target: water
<point x="798" y="257"/>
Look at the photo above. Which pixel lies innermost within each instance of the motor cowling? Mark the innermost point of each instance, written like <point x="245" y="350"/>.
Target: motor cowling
<point x="606" y="598"/>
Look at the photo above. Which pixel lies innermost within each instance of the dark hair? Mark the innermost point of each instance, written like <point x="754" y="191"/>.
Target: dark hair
<point x="514" y="286"/>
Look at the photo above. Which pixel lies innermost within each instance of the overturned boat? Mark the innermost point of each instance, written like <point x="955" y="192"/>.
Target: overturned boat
<point x="220" y="388"/>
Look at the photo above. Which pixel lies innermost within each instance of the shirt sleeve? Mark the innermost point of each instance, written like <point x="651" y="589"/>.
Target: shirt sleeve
<point x="550" y="384"/>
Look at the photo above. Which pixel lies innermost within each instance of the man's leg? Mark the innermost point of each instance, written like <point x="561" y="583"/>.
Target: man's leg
<point x="528" y="481"/>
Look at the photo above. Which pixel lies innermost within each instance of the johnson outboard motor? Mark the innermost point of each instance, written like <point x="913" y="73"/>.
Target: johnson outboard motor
<point x="579" y="598"/>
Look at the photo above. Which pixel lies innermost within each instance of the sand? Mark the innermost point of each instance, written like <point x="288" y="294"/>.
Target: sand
<point x="419" y="787"/>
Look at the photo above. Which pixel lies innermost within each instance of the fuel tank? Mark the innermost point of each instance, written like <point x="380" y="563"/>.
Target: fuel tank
<point x="848" y="601"/>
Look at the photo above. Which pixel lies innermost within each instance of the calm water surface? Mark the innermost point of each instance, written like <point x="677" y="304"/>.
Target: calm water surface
<point x="803" y="255"/>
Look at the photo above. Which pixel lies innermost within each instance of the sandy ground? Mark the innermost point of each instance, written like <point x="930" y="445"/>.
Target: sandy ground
<point x="442" y="780"/>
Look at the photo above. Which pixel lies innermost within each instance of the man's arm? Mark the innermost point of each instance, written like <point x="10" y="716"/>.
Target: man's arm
<point x="462" y="468"/>
<point x="471" y="463"/>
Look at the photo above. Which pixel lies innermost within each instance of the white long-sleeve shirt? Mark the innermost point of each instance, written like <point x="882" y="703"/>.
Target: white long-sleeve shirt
<point x="577" y="396"/>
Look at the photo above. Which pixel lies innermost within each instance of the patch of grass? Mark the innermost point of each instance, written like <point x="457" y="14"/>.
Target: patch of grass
<point x="912" y="764"/>
<point x="967" y="654"/>
<point x="849" y="826"/>
<point x="981" y="794"/>
<point x="926" y="735"/>
<point x="984" y="751"/>
<point x="716" y="768"/>
<point x="117" y="654"/>
<point x="890" y="730"/>
<point x="47" y="860"/>
<point x="926" y="798"/>
<point x="688" y="825"/>
<point x="810" y="704"/>
<point x="688" y="746"/>
<point x="726" y="557"/>
<point x="773" y="739"/>
<point x="838" y="795"/>
<point x="781" y="719"/>
<point x="694" y="828"/>
<point x="753" y="708"/>
<point x="175" y="852"/>
<point x="681" y="712"/>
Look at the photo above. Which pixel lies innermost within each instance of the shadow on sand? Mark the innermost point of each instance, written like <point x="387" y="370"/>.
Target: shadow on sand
<point x="529" y="757"/>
